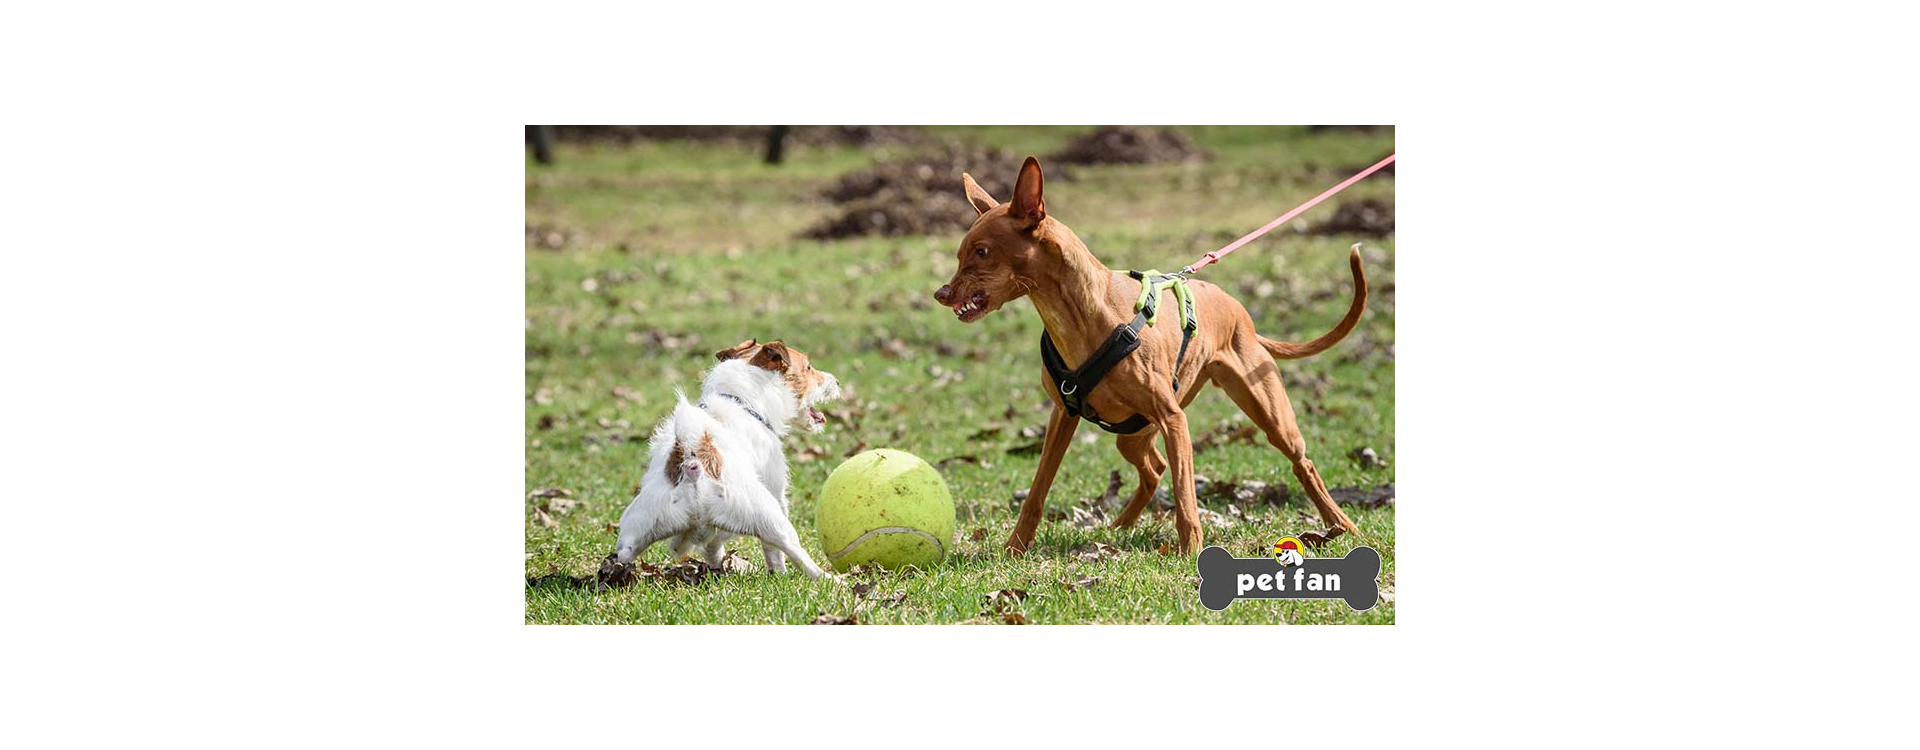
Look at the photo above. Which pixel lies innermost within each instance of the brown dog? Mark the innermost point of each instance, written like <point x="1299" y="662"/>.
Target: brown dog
<point x="1015" y="249"/>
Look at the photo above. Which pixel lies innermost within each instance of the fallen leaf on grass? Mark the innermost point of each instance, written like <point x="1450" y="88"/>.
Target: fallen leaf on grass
<point x="1013" y="618"/>
<point x="810" y="453"/>
<point x="1224" y="434"/>
<point x="978" y="535"/>
<point x="1005" y="599"/>
<point x="860" y="446"/>
<point x="1097" y="552"/>
<point x="827" y="619"/>
<point x="1080" y="582"/>
<point x="1087" y="518"/>
<point x="1112" y="496"/>
<point x="1212" y="518"/>
<point x="614" y="573"/>
<point x="987" y="433"/>
<point x="549" y="492"/>
<point x="1024" y="449"/>
<point x="942" y="464"/>
<point x="1378" y="497"/>
<point x="541" y="517"/>
<point x="864" y="570"/>
<point x="1367" y="458"/>
<point x="552" y="578"/>
<point x="1317" y="539"/>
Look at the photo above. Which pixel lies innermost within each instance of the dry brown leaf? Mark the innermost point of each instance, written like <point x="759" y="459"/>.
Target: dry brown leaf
<point x="1087" y="518"/>
<point x="1320" y="538"/>
<point x="614" y="574"/>
<point x="1097" y="552"/>
<point x="942" y="464"/>
<point x="1111" y="497"/>
<point x="1079" y="582"/>
<point x="549" y="492"/>
<point x="988" y="432"/>
<point x="978" y="535"/>
<point x="1005" y="599"/>
<point x="860" y="446"/>
<point x="1367" y="458"/>
<point x="1013" y="618"/>
<point x="540" y="517"/>
<point x="827" y="619"/>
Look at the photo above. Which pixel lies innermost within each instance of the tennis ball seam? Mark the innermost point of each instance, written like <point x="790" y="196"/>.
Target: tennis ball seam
<point x="886" y="530"/>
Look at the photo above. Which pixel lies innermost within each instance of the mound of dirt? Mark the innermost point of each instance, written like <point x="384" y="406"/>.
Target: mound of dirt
<point x="806" y="135"/>
<point x="918" y="195"/>
<point x="1120" y="144"/>
<point x="1365" y="216"/>
<point x="890" y="216"/>
<point x="934" y="172"/>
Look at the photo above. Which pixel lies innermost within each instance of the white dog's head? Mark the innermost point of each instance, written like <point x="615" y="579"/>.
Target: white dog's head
<point x="785" y="380"/>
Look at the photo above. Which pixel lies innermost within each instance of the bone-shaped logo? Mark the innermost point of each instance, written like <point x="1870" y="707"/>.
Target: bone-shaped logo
<point x="1225" y="578"/>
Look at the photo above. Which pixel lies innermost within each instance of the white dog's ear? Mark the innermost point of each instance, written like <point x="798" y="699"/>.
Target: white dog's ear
<point x="977" y="195"/>
<point x="772" y="356"/>
<point x="735" y="351"/>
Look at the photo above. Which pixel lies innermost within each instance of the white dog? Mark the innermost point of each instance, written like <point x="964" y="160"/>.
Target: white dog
<point x="716" y="469"/>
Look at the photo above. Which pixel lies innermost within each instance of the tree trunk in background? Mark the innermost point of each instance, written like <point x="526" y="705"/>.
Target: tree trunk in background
<point x="774" y="138"/>
<point x="540" y="137"/>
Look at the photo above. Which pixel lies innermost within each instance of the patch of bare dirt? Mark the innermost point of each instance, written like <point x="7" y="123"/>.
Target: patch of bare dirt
<point x="1367" y="216"/>
<point x="1122" y="144"/>
<point x="918" y="195"/>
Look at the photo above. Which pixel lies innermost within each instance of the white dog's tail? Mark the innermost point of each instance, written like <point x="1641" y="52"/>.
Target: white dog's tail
<point x="693" y="454"/>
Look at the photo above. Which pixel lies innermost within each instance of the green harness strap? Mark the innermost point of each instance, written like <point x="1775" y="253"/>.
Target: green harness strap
<point x="1152" y="283"/>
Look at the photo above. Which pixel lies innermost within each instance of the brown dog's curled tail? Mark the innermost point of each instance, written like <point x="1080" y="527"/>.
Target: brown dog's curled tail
<point x="1284" y="350"/>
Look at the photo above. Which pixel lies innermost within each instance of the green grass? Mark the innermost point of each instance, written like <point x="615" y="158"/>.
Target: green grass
<point x="678" y="249"/>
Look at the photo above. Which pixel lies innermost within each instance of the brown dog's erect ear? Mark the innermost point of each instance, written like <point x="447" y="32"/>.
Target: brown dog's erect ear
<point x="1027" y="203"/>
<point x="772" y="356"/>
<point x="977" y="195"/>
<point x="734" y="352"/>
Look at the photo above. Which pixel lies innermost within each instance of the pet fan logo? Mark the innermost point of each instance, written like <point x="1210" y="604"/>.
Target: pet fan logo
<point x="1289" y="574"/>
<point x="1287" y="552"/>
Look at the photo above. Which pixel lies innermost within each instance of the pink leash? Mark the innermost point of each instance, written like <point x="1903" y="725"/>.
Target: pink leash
<point x="1209" y="258"/>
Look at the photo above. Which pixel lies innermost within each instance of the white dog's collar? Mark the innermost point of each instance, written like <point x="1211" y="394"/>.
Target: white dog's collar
<point x="743" y="405"/>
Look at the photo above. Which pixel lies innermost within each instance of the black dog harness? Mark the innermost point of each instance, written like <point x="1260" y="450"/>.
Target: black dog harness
<point x="1074" y="385"/>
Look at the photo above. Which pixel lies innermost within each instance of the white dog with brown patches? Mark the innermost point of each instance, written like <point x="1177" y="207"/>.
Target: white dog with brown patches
<point x="716" y="469"/>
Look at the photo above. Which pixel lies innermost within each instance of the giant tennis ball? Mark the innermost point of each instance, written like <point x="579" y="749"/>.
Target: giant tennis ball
<point x="885" y="507"/>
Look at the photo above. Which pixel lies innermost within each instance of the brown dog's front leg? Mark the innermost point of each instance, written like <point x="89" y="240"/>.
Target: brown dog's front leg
<point x="1138" y="450"/>
<point x="1180" y="460"/>
<point x="1053" y="447"/>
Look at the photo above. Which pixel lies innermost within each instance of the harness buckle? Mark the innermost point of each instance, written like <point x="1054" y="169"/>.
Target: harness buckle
<point x="1068" y="388"/>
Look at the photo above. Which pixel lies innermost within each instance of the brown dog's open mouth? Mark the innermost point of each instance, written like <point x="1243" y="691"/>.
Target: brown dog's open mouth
<point x="972" y="308"/>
